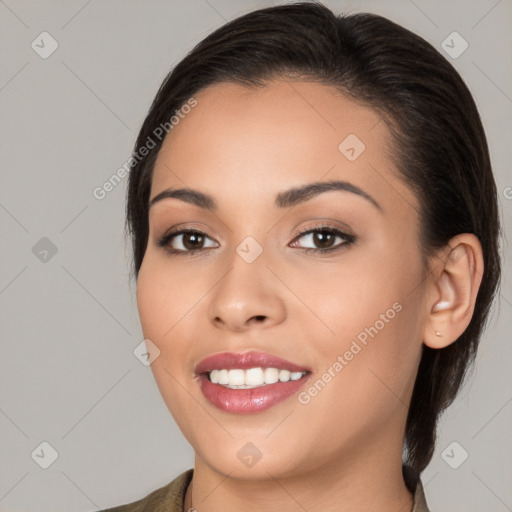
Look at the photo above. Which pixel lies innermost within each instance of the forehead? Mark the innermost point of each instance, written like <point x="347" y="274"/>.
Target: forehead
<point x="278" y="136"/>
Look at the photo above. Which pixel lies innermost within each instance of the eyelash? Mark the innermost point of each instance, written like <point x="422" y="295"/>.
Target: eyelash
<point x="349" y="239"/>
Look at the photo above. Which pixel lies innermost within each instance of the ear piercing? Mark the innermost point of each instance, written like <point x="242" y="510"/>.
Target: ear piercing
<point x="438" y="333"/>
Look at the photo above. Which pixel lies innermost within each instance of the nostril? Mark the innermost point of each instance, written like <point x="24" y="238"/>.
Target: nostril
<point x="258" y="318"/>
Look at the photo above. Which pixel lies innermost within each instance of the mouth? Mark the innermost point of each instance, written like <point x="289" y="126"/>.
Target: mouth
<point x="249" y="382"/>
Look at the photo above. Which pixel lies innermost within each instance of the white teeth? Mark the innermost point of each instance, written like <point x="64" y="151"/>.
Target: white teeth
<point x="236" y="377"/>
<point x="284" y="375"/>
<point x="252" y="377"/>
<point x="271" y="375"/>
<point x="223" y="377"/>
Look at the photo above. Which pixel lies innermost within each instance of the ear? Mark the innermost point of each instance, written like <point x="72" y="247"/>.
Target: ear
<point x="453" y="288"/>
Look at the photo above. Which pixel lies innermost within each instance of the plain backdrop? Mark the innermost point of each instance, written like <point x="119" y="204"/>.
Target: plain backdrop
<point x="68" y="317"/>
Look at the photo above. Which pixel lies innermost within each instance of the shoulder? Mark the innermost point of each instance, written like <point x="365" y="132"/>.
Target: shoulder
<point x="168" y="498"/>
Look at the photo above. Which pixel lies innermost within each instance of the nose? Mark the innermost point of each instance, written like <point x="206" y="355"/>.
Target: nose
<point x="248" y="296"/>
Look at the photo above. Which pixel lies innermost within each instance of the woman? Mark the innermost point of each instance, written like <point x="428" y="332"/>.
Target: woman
<point x="315" y="243"/>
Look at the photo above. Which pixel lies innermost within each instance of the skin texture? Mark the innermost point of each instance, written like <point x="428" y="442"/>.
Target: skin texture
<point x="342" y="450"/>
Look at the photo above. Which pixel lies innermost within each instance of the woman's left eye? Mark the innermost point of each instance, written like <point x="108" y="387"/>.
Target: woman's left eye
<point x="188" y="241"/>
<point x="324" y="236"/>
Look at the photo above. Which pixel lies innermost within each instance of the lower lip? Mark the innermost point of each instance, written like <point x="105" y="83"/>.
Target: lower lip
<point x="248" y="401"/>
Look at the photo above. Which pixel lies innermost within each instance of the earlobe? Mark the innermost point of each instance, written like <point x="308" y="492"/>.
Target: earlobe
<point x="454" y="288"/>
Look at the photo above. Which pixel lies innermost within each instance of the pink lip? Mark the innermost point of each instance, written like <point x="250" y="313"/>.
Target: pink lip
<point x="247" y="401"/>
<point x="243" y="361"/>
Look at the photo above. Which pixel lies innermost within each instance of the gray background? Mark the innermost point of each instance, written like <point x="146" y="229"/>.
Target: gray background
<point x="69" y="323"/>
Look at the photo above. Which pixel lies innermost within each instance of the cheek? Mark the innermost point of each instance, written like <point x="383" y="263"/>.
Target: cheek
<point x="150" y="303"/>
<point x="351" y="294"/>
<point x="162" y="310"/>
<point x="371" y="306"/>
<point x="166" y="295"/>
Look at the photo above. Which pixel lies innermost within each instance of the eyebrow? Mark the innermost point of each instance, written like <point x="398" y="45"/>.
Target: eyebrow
<point x="286" y="199"/>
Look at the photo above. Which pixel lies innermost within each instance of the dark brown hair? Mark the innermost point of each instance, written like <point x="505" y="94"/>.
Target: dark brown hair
<point x="439" y="148"/>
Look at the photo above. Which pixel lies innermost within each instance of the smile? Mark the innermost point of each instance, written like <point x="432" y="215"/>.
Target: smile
<point x="245" y="383"/>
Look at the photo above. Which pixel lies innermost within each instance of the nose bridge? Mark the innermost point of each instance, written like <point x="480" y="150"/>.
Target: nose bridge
<point x="248" y="290"/>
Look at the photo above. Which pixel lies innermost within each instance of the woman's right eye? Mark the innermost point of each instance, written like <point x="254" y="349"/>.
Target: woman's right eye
<point x="185" y="241"/>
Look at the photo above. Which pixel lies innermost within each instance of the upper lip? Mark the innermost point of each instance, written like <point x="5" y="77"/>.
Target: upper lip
<point x="245" y="360"/>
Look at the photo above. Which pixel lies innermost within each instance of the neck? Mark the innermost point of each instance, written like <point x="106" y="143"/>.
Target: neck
<point x="371" y="483"/>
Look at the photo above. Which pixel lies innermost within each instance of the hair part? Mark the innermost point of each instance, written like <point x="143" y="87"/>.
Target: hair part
<point x="439" y="148"/>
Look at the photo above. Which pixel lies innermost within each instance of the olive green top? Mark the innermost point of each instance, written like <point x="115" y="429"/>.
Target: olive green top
<point x="171" y="497"/>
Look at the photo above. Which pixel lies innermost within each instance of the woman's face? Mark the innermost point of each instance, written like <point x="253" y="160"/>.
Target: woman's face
<point x="352" y="316"/>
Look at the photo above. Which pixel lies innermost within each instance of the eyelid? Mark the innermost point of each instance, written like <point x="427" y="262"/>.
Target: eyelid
<point x="318" y="227"/>
<point x="185" y="227"/>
